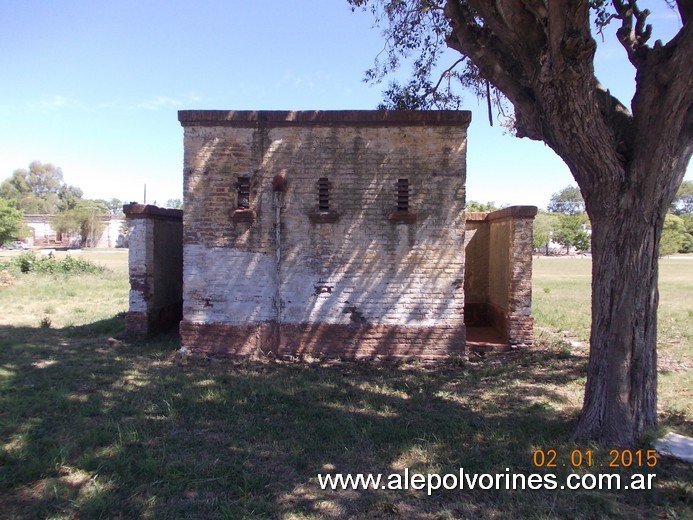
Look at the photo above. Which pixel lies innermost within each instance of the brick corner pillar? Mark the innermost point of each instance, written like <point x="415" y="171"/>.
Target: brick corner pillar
<point x="155" y="267"/>
<point x="520" y="319"/>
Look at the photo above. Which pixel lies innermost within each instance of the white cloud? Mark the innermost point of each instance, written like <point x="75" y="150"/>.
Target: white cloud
<point x="304" y="81"/>
<point x="158" y="103"/>
<point x="56" y="102"/>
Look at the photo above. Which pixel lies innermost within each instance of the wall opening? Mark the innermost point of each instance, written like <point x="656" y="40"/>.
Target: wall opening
<point x="498" y="277"/>
<point x="403" y="195"/>
<point x="243" y="193"/>
<point x="323" y="194"/>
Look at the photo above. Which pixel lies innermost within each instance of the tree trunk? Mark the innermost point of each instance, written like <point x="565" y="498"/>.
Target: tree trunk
<point x="627" y="163"/>
<point x="621" y="391"/>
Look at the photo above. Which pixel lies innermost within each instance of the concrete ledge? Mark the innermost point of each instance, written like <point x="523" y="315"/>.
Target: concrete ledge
<point x="402" y="217"/>
<point x="323" y="217"/>
<point x="147" y="211"/>
<point x="475" y="216"/>
<point x="501" y="214"/>
<point x="513" y="212"/>
<point x="243" y="215"/>
<point x="312" y="118"/>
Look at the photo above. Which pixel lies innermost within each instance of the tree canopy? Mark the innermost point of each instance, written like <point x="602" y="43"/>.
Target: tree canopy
<point x="174" y="204"/>
<point x="683" y="202"/>
<point x="82" y="220"/>
<point x="567" y="201"/>
<point x="10" y="222"/>
<point x="571" y="233"/>
<point x="39" y="189"/>
<point x="474" y="205"/>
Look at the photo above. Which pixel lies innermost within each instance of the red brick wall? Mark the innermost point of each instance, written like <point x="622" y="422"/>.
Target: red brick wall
<point x="325" y="340"/>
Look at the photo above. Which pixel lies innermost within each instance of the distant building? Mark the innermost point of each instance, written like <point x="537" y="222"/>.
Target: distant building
<point x="43" y="234"/>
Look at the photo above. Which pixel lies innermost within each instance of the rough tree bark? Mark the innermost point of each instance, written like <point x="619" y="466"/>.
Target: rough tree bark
<point x="628" y="166"/>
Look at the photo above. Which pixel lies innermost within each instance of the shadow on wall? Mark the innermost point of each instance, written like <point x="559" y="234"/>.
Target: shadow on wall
<point x="360" y="254"/>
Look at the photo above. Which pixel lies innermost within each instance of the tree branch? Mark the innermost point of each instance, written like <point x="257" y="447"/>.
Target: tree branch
<point x="495" y="62"/>
<point x="537" y="7"/>
<point x="663" y="104"/>
<point x="634" y="33"/>
<point x="447" y="71"/>
<point x="511" y="23"/>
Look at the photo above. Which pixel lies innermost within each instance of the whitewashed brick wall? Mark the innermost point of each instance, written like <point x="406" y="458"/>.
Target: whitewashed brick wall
<point x="361" y="269"/>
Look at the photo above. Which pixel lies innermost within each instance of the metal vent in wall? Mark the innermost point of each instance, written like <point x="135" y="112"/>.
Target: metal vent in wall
<point x="323" y="194"/>
<point x="243" y="192"/>
<point x="403" y="195"/>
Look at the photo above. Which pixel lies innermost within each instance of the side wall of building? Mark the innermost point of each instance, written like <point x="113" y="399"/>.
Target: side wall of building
<point x="350" y="275"/>
<point x="156" y="269"/>
<point x="498" y="279"/>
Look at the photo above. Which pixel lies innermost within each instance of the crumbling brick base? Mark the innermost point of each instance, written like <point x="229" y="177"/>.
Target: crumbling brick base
<point x="521" y="330"/>
<point x="137" y="323"/>
<point x="324" y="340"/>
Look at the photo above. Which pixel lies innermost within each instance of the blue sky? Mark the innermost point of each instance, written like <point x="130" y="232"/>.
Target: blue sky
<point x="94" y="87"/>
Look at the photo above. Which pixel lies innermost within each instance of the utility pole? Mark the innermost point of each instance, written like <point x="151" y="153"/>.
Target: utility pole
<point x="91" y="233"/>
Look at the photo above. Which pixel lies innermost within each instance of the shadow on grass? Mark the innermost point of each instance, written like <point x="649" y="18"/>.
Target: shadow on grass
<point x="94" y="428"/>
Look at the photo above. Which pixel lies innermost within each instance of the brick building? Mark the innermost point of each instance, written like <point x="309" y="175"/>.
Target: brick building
<point x="333" y="233"/>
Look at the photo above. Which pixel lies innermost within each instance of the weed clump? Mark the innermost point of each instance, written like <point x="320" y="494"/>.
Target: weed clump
<point x="31" y="263"/>
<point x="6" y="279"/>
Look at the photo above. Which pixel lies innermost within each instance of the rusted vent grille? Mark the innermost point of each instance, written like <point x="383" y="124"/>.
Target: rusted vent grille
<point x="403" y="195"/>
<point x="243" y="192"/>
<point x="323" y="194"/>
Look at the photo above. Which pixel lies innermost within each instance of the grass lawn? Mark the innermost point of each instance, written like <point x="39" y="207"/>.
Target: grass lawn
<point x="561" y="302"/>
<point x="92" y="427"/>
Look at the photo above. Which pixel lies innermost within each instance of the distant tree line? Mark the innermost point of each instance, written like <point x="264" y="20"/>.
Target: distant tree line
<point x="40" y="189"/>
<point x="565" y="222"/>
<point x="174" y="204"/>
<point x="677" y="236"/>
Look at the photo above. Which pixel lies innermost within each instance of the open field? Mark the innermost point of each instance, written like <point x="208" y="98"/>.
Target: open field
<point x="561" y="297"/>
<point x="114" y="259"/>
<point x="561" y="302"/>
<point x="67" y="300"/>
<point x="92" y="427"/>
